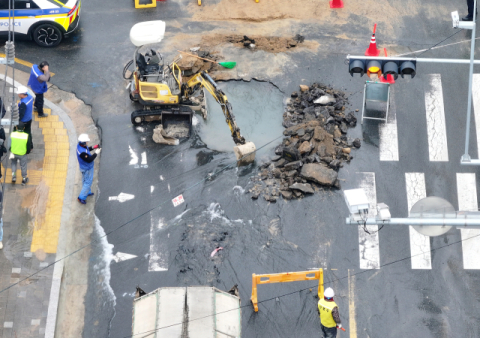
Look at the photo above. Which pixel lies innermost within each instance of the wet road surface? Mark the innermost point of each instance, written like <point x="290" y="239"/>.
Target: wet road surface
<point x="173" y="245"/>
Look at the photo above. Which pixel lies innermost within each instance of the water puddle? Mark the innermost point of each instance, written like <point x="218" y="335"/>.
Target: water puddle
<point x="258" y="109"/>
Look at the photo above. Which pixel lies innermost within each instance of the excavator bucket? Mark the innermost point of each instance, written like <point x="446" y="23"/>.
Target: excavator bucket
<point x="177" y="125"/>
<point x="245" y="153"/>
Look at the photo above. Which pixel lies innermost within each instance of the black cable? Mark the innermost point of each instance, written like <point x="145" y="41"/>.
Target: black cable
<point x="307" y="288"/>
<point x="208" y="177"/>
<point x="458" y="31"/>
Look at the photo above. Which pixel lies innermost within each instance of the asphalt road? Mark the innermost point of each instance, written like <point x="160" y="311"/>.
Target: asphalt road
<point x="258" y="237"/>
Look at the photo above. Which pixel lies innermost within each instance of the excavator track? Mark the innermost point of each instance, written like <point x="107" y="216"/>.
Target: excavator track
<point x="168" y="116"/>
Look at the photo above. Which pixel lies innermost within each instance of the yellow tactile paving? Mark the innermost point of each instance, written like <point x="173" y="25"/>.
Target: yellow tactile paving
<point x="45" y="124"/>
<point x="55" y="165"/>
<point x="63" y="145"/>
<point x="63" y="152"/>
<point x="62" y="138"/>
<point x="48" y="131"/>
<point x="61" y="159"/>
<point x="49" y="138"/>
<point x="61" y="167"/>
<point x="57" y="125"/>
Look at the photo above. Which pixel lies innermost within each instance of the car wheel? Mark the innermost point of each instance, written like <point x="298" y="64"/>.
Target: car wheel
<point x="47" y="35"/>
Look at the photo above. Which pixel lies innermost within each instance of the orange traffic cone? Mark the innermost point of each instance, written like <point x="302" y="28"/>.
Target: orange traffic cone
<point x="336" y="4"/>
<point x="389" y="79"/>
<point x="372" y="49"/>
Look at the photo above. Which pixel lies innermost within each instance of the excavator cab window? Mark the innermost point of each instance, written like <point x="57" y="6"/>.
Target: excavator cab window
<point x="141" y="64"/>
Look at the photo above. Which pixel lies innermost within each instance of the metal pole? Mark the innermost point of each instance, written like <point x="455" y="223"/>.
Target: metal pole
<point x="468" y="223"/>
<point x="466" y="157"/>
<point x="419" y="60"/>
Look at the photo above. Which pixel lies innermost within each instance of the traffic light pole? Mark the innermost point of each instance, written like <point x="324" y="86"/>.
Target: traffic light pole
<point x="459" y="223"/>
<point x="466" y="159"/>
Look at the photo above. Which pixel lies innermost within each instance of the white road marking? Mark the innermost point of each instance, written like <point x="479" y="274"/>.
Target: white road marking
<point x="476" y="107"/>
<point x="122" y="197"/>
<point x="161" y="178"/>
<point x="419" y="244"/>
<point x="467" y="201"/>
<point x="158" y="260"/>
<point x="389" y="134"/>
<point x="133" y="155"/>
<point x="121" y="256"/>
<point x="144" y="158"/>
<point x="368" y="243"/>
<point x="436" y="127"/>
<point x="152" y="188"/>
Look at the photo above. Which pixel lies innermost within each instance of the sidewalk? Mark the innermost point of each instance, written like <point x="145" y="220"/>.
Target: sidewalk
<point x="37" y="229"/>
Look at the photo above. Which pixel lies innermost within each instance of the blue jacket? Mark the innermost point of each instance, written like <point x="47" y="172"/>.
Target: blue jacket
<point x="37" y="86"/>
<point x="83" y="164"/>
<point x="28" y="101"/>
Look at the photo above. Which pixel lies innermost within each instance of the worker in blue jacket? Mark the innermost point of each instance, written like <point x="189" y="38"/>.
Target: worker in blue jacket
<point x="39" y="76"/>
<point x="85" y="161"/>
<point x="25" y="108"/>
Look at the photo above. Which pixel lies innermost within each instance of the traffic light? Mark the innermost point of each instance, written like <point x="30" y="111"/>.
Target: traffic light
<point x="382" y="66"/>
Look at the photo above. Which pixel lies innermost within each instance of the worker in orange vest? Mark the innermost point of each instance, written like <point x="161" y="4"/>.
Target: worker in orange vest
<point x="329" y="316"/>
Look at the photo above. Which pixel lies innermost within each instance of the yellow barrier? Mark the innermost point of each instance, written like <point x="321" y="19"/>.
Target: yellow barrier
<point x="283" y="278"/>
<point x="145" y="3"/>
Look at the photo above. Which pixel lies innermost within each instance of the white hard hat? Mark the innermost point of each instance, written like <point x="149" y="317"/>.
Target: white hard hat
<point x="329" y="293"/>
<point x="22" y="90"/>
<point x="83" y="138"/>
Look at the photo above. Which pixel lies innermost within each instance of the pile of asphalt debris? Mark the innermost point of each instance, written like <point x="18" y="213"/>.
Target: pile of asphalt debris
<point x="314" y="148"/>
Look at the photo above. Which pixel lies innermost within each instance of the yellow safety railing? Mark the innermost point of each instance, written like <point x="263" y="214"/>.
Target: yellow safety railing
<point x="179" y="78"/>
<point x="283" y="278"/>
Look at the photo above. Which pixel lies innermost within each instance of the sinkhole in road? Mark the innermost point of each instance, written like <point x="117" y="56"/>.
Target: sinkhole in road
<point x="258" y="108"/>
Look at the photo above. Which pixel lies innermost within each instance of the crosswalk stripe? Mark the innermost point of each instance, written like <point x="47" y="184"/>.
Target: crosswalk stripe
<point x="368" y="243"/>
<point x="389" y="134"/>
<point x="467" y="201"/>
<point x="158" y="260"/>
<point x="435" y="112"/>
<point x="419" y="244"/>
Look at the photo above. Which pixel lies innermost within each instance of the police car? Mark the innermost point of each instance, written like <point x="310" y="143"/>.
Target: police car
<point x="44" y="21"/>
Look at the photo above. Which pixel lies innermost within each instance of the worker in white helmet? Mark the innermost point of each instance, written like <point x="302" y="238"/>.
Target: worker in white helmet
<point x="85" y="161"/>
<point x="329" y="316"/>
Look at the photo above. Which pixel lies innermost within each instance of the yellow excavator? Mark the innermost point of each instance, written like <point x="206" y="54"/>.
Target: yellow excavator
<point x="164" y="94"/>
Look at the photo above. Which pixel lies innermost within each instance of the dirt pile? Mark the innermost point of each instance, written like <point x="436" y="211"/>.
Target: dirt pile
<point x="314" y="148"/>
<point x="273" y="44"/>
<point x="191" y="65"/>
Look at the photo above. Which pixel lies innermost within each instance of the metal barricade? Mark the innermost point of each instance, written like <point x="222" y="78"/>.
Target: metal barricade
<point x="375" y="92"/>
<point x="285" y="277"/>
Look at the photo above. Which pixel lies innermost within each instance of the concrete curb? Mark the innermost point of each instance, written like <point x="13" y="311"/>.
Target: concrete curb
<point x="67" y="201"/>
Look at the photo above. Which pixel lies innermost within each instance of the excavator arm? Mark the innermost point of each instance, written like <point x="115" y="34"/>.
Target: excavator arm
<point x="204" y="80"/>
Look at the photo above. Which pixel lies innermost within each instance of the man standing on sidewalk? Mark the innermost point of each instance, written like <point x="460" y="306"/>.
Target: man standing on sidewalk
<point x="20" y="147"/>
<point x="39" y="76"/>
<point x="25" y="108"/>
<point x="85" y="160"/>
<point x="329" y="316"/>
